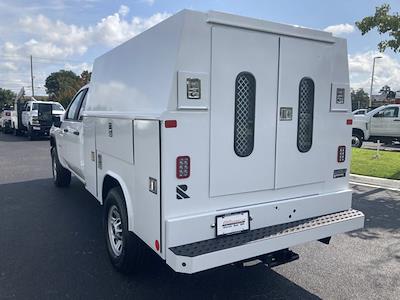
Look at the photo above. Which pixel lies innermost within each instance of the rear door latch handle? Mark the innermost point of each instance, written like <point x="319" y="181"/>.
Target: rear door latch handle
<point x="76" y="132"/>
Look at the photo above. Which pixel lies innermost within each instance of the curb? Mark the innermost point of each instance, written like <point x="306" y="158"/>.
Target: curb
<point x="379" y="182"/>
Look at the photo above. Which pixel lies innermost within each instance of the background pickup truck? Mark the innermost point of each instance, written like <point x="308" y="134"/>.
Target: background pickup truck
<point x="35" y="117"/>
<point x="382" y="123"/>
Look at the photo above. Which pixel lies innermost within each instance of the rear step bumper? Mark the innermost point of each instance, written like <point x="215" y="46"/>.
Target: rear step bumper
<point x="203" y="255"/>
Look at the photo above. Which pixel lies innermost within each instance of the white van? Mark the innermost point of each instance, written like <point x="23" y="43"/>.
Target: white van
<point x="214" y="139"/>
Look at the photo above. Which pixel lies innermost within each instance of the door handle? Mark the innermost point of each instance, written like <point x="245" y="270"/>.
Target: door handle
<point x="396" y="120"/>
<point x="65" y="130"/>
<point x="76" y="132"/>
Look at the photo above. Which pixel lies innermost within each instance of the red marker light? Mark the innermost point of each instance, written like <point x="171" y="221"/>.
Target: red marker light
<point x="171" y="123"/>
<point x="349" y="121"/>
<point x="157" y="244"/>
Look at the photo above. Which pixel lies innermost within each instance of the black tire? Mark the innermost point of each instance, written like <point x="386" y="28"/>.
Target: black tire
<point x="130" y="257"/>
<point x="31" y="134"/>
<point x="15" y="132"/>
<point x="356" y="140"/>
<point x="61" y="176"/>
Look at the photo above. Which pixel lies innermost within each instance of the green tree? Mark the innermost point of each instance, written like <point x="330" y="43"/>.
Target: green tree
<point x="359" y="99"/>
<point x="6" y="97"/>
<point x="61" y="86"/>
<point x="385" y="23"/>
<point x="387" y="91"/>
<point x="85" y="77"/>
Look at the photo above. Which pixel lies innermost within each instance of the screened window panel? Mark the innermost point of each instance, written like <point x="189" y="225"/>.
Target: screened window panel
<point x="245" y="100"/>
<point x="305" y="115"/>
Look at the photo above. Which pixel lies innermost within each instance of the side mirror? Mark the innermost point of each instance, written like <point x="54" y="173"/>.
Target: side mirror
<point x="57" y="122"/>
<point x="378" y="115"/>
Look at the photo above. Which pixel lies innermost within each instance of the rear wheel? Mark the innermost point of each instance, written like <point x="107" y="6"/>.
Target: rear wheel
<point x="356" y="140"/>
<point x="31" y="134"/>
<point x="61" y="176"/>
<point x="15" y="132"/>
<point x="125" y="249"/>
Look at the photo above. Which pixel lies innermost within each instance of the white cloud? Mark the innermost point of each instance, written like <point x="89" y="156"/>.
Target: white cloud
<point x="114" y="30"/>
<point x="8" y="66"/>
<point x="79" y="67"/>
<point x="57" y="40"/>
<point x="109" y="31"/>
<point x="387" y="71"/>
<point x="340" y="29"/>
<point x="123" y="10"/>
<point x="148" y="2"/>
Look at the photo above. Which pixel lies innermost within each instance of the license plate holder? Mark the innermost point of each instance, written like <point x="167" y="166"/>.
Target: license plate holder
<point x="232" y="223"/>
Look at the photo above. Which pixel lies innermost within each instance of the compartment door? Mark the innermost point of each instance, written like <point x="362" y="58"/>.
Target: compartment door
<point x="244" y="74"/>
<point x="305" y="72"/>
<point x="147" y="202"/>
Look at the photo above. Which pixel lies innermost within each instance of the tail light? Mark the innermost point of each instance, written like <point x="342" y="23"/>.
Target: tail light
<point x="341" y="154"/>
<point x="182" y="167"/>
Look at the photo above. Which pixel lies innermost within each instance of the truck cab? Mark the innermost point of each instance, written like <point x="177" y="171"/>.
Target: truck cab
<point x="382" y="123"/>
<point x="69" y="134"/>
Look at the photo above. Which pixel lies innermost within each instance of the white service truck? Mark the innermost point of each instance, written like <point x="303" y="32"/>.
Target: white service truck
<point x="381" y="124"/>
<point x="34" y="117"/>
<point x="214" y="139"/>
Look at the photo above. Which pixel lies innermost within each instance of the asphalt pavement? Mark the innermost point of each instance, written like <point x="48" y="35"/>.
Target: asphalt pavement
<point x="51" y="247"/>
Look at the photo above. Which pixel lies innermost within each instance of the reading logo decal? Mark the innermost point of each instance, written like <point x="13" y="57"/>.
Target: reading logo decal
<point x="181" y="191"/>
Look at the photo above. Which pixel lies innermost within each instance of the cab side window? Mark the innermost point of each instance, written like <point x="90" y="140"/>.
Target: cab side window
<point x="83" y="105"/>
<point x="390" y="112"/>
<point x="73" y="108"/>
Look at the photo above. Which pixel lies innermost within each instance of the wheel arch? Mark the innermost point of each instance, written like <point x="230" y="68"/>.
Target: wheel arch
<point x="359" y="131"/>
<point x="111" y="180"/>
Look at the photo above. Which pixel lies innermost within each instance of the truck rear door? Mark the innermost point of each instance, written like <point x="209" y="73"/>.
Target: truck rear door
<point x="269" y="95"/>
<point x="304" y="87"/>
<point x="243" y="110"/>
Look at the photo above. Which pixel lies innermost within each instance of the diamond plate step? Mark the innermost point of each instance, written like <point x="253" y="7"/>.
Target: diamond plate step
<point x="230" y="241"/>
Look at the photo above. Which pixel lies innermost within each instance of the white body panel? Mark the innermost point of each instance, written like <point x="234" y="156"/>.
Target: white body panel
<point x="141" y="84"/>
<point x="147" y="166"/>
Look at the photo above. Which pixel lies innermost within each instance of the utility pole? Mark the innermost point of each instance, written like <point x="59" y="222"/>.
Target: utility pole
<point x="33" y="89"/>
<point x="372" y="80"/>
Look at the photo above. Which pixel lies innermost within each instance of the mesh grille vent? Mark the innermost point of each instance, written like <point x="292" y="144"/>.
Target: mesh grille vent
<point x="306" y="115"/>
<point x="245" y="90"/>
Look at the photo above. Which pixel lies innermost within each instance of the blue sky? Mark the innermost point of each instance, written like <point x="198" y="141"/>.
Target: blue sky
<point x="71" y="33"/>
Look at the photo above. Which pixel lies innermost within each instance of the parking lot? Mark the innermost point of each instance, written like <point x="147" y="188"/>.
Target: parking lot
<point x="51" y="247"/>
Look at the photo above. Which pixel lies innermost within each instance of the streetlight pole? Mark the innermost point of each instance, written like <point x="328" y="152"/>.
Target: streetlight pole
<point x="372" y="80"/>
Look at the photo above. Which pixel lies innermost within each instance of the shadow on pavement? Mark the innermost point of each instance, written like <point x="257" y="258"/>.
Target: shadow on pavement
<point x="381" y="212"/>
<point x="51" y="246"/>
<point x="10" y="138"/>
